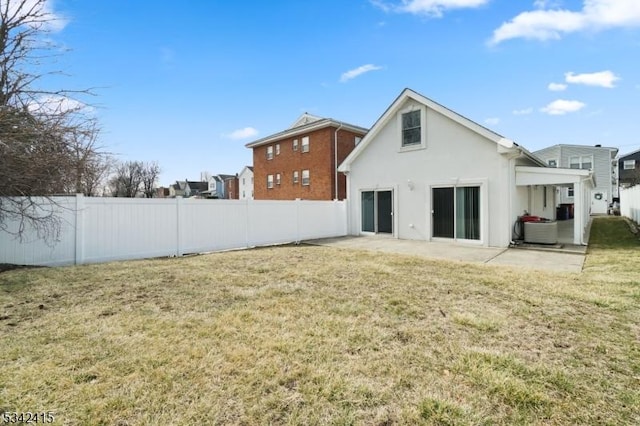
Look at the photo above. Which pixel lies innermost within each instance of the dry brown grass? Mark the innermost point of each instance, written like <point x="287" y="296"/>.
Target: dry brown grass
<point x="316" y="335"/>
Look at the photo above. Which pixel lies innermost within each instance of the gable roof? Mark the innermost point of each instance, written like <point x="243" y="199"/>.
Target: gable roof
<point x="622" y="157"/>
<point x="407" y="94"/>
<point x="305" y="118"/>
<point x="306" y="123"/>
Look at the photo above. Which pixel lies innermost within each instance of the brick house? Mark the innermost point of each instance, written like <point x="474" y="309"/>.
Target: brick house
<point x="231" y="191"/>
<point x="302" y="161"/>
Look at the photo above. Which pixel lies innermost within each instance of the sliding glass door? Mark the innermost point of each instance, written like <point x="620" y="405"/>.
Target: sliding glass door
<point x="456" y="212"/>
<point x="377" y="211"/>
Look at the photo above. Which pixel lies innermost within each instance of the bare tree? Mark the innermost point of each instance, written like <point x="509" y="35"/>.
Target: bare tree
<point x="150" y="175"/>
<point x="47" y="137"/>
<point x="127" y="179"/>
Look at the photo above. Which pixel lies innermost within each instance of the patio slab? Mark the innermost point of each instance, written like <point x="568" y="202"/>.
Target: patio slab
<point x="549" y="260"/>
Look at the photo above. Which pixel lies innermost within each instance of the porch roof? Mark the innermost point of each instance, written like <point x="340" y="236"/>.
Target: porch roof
<point x="526" y="175"/>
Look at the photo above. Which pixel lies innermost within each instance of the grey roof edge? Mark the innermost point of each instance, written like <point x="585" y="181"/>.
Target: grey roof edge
<point x="315" y="125"/>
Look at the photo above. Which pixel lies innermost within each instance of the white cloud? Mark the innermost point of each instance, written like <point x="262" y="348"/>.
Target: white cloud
<point x="562" y="107"/>
<point x="433" y="8"/>
<point x="247" y="132"/>
<point x="55" y="104"/>
<point x="493" y="121"/>
<point x="557" y="87"/>
<point x="358" y="71"/>
<point x="525" y="111"/>
<point x="551" y="22"/>
<point x="38" y="14"/>
<point x="601" y="79"/>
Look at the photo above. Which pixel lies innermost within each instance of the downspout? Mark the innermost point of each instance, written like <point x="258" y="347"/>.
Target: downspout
<point x="335" y="160"/>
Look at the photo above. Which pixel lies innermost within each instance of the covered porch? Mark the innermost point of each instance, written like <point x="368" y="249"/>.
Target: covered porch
<point x="580" y="180"/>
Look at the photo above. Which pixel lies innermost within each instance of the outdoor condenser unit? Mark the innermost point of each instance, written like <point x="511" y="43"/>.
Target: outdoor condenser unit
<point x="541" y="232"/>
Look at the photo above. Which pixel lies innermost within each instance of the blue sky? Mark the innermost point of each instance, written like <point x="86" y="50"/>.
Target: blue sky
<point x="188" y="83"/>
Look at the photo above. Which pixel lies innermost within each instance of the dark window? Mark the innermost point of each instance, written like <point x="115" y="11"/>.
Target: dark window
<point x="411" y="129"/>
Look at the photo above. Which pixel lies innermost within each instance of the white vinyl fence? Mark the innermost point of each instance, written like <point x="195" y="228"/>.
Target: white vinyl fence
<point x="105" y="229"/>
<point x="630" y="203"/>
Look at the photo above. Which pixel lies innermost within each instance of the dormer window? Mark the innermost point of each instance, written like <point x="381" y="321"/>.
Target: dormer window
<point x="411" y="128"/>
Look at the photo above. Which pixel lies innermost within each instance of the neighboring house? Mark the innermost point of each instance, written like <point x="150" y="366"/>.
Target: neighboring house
<point x="301" y="161"/>
<point x="177" y="189"/>
<point x="629" y="169"/>
<point x="231" y="188"/>
<point x="245" y="181"/>
<point x="424" y="172"/>
<point x="196" y="189"/>
<point x="162" y="192"/>
<point x="602" y="160"/>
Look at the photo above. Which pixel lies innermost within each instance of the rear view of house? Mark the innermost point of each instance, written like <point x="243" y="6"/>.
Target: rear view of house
<point x="629" y="169"/>
<point x="424" y="172"/>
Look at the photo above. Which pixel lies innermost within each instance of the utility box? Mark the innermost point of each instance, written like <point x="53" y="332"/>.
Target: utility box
<point x="541" y="232"/>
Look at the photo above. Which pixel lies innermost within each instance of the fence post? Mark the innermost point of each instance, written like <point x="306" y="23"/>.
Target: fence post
<point x="178" y="226"/>
<point x="298" y="220"/>
<point x="79" y="229"/>
<point x="247" y="231"/>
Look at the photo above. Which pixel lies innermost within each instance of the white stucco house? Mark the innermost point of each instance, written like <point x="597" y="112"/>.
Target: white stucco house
<point x="424" y="172"/>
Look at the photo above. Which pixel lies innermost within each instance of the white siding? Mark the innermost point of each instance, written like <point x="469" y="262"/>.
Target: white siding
<point x="454" y="154"/>
<point x="105" y="229"/>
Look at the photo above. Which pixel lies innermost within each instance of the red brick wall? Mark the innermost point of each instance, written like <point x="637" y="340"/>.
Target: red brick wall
<point x="319" y="161"/>
<point x="231" y="188"/>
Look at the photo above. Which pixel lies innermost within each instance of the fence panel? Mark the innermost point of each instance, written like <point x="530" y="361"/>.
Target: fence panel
<point x="209" y="225"/>
<point x="128" y="228"/>
<point x="630" y="203"/>
<point x="105" y="229"/>
<point x="32" y="248"/>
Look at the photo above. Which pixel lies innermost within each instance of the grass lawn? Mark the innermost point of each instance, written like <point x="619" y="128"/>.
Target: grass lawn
<point x="318" y="335"/>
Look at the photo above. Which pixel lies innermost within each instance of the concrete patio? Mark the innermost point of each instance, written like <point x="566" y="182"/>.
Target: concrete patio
<point x="561" y="257"/>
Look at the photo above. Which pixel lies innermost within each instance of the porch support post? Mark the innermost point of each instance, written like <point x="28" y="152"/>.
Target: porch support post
<point x="578" y="213"/>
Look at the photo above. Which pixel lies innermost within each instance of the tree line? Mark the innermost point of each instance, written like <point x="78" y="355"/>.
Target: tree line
<point x="49" y="139"/>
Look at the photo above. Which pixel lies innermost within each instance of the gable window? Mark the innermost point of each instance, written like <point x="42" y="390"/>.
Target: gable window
<point x="270" y="152"/>
<point x="269" y="181"/>
<point x="305" y="144"/>
<point x="277" y="149"/>
<point x="574" y="162"/>
<point x="277" y="178"/>
<point x="295" y="144"/>
<point x="305" y="177"/>
<point x="411" y="128"/>
<point x="629" y="165"/>
<point x="295" y="176"/>
<point x="552" y="163"/>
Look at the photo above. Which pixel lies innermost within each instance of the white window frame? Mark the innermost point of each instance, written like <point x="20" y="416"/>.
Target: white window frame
<point x="277" y="178"/>
<point x="295" y="177"/>
<point x="555" y="161"/>
<point x="295" y="144"/>
<point x="269" y="181"/>
<point x="570" y="192"/>
<point x="277" y="149"/>
<point x="423" y="128"/>
<point x="583" y="162"/>
<point x="306" y="181"/>
<point x="576" y="162"/>
<point x="629" y="165"/>
<point x="305" y="144"/>
<point x="270" y="152"/>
